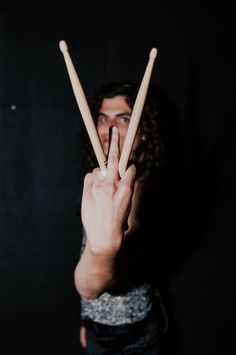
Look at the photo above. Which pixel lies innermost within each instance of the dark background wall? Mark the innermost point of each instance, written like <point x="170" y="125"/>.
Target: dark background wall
<point x="39" y="123"/>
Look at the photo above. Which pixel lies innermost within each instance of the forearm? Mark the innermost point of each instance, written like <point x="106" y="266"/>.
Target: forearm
<point x="94" y="273"/>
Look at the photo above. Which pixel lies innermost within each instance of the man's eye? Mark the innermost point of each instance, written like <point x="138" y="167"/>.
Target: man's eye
<point x="124" y="120"/>
<point x="102" y="118"/>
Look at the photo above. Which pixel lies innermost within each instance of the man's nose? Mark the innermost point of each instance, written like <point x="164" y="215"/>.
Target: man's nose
<point x="113" y="122"/>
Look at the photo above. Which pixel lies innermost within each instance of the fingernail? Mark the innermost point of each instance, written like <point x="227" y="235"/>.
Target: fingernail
<point x="114" y="129"/>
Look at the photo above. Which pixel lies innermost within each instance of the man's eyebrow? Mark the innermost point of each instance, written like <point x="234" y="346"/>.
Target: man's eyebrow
<point x="119" y="114"/>
<point x="124" y="114"/>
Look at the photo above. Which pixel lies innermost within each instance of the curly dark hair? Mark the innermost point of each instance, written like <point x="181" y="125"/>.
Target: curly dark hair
<point x="152" y="151"/>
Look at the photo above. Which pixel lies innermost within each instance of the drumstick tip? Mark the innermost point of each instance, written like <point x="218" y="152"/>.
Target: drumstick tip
<point x="153" y="53"/>
<point x="63" y="46"/>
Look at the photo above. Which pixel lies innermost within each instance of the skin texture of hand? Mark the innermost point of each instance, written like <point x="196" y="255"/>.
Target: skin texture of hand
<point x="106" y="204"/>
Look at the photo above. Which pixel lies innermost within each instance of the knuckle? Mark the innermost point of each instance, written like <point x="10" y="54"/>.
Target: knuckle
<point x="114" y="157"/>
<point x="127" y="189"/>
<point x="111" y="188"/>
<point x="87" y="178"/>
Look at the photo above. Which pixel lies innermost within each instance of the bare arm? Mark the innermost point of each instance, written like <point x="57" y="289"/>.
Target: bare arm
<point x="106" y="204"/>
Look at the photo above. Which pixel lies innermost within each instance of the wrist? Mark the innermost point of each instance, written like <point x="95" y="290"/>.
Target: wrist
<point x="105" y="247"/>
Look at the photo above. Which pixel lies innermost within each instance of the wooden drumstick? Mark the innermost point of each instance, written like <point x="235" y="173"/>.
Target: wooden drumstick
<point x="136" y="114"/>
<point x="84" y="108"/>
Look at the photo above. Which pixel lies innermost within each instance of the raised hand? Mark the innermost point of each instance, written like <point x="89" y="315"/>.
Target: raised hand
<point x="106" y="203"/>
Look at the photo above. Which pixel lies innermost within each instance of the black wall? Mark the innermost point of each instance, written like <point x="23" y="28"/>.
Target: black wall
<point x="39" y="123"/>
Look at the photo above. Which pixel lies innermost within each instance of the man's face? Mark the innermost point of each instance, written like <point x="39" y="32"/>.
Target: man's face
<point x="115" y="112"/>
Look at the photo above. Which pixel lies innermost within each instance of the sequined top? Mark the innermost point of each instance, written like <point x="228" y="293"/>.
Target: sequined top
<point x="125" y="308"/>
